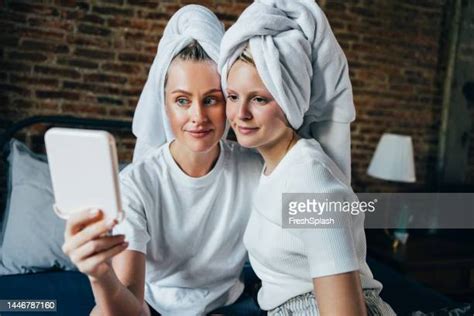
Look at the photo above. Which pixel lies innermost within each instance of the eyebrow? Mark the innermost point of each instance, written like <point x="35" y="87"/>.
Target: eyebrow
<point x="188" y="93"/>
<point x="214" y="91"/>
<point x="253" y="92"/>
<point x="180" y="91"/>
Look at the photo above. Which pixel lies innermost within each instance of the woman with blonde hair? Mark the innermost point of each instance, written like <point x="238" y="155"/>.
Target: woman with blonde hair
<point x="289" y="96"/>
<point x="186" y="197"/>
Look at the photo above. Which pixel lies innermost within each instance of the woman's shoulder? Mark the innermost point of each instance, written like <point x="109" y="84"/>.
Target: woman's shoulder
<point x="313" y="168"/>
<point x="147" y="165"/>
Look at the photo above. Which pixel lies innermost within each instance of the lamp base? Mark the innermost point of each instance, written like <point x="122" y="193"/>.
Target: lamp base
<point x="398" y="237"/>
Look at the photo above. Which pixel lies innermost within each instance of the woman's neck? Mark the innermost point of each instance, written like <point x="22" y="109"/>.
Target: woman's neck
<point x="274" y="152"/>
<point x="194" y="164"/>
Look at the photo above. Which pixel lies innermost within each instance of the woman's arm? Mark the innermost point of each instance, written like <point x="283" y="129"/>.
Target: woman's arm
<point x="118" y="290"/>
<point x="121" y="290"/>
<point x="339" y="294"/>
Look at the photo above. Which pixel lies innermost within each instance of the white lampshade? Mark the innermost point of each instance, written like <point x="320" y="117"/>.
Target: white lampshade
<point x="393" y="159"/>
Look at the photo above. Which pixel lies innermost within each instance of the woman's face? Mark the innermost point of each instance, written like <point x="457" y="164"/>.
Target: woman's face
<point x="254" y="115"/>
<point x="195" y="104"/>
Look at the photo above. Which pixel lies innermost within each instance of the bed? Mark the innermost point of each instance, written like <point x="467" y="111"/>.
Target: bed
<point x="32" y="265"/>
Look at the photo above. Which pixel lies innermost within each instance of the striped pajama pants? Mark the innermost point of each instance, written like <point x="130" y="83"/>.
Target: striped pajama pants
<point x="305" y="305"/>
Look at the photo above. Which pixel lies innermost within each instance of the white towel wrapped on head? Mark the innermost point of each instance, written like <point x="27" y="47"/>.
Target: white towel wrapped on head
<point x="302" y="65"/>
<point x="192" y="22"/>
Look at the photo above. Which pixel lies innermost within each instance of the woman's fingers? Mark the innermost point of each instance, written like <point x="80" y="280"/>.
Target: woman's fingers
<point x="96" y="260"/>
<point x="90" y="232"/>
<point x="79" y="220"/>
<point x="87" y="244"/>
<point x="96" y="246"/>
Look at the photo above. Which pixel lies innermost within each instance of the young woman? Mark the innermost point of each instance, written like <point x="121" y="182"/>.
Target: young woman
<point x="284" y="72"/>
<point x="186" y="202"/>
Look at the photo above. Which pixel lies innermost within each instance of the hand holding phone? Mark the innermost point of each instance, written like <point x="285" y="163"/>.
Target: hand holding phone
<point x="87" y="244"/>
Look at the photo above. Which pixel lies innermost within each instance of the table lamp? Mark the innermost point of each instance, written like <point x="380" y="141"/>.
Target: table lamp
<point x="393" y="161"/>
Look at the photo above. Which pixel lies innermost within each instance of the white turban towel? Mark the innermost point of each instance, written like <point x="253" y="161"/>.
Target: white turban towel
<point x="192" y="22"/>
<point x="302" y="65"/>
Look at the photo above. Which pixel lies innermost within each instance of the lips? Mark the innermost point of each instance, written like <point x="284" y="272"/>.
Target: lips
<point x="200" y="133"/>
<point x="247" y="130"/>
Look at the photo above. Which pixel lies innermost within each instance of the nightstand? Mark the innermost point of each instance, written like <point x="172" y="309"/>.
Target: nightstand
<point x="441" y="263"/>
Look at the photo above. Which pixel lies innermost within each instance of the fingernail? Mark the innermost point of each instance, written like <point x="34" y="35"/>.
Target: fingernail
<point x="94" y="212"/>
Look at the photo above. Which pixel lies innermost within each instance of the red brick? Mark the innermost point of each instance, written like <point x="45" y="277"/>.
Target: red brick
<point x="108" y="100"/>
<point x="24" y="104"/>
<point x="34" y="33"/>
<point x="118" y="2"/>
<point x="84" y="40"/>
<point x="35" y="45"/>
<point x="84" y="110"/>
<point x="132" y="92"/>
<point x="46" y="22"/>
<point x="48" y="94"/>
<point x="90" y="88"/>
<point x="106" y="10"/>
<point x="121" y="113"/>
<point x="140" y="24"/>
<point x="93" y="18"/>
<point x="66" y="3"/>
<point x="37" y="81"/>
<point x="93" y="30"/>
<point x="134" y="57"/>
<point x="94" y="54"/>
<point x="130" y="69"/>
<point x="155" y="16"/>
<point x="39" y="9"/>
<point x="105" y="79"/>
<point x="56" y="71"/>
<point x="78" y="63"/>
<point x="27" y="56"/>
<point x="143" y="3"/>
<point x="118" y="21"/>
<point x="50" y="106"/>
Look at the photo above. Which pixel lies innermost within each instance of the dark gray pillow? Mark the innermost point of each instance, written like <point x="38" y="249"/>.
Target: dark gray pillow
<point x="32" y="233"/>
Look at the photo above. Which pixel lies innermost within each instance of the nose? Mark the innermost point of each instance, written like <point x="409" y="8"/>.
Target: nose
<point x="198" y="113"/>
<point x="243" y="111"/>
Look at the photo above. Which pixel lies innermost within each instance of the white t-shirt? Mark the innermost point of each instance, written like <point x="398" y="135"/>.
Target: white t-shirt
<point x="190" y="229"/>
<point x="286" y="260"/>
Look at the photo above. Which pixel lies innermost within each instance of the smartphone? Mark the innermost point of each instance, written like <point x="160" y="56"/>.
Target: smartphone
<point x="84" y="171"/>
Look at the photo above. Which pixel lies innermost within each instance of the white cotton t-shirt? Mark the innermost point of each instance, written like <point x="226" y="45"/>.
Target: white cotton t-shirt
<point x="190" y="229"/>
<point x="286" y="260"/>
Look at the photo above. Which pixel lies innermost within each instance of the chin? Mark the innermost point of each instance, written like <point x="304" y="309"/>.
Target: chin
<point x="246" y="141"/>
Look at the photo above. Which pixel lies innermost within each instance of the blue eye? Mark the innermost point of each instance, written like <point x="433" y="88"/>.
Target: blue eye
<point x="210" y="101"/>
<point x="182" y="101"/>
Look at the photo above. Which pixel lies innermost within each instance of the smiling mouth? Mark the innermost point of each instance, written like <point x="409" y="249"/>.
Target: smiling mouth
<point x="247" y="130"/>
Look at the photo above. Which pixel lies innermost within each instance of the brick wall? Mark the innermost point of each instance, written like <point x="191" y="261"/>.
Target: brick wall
<point x="91" y="59"/>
